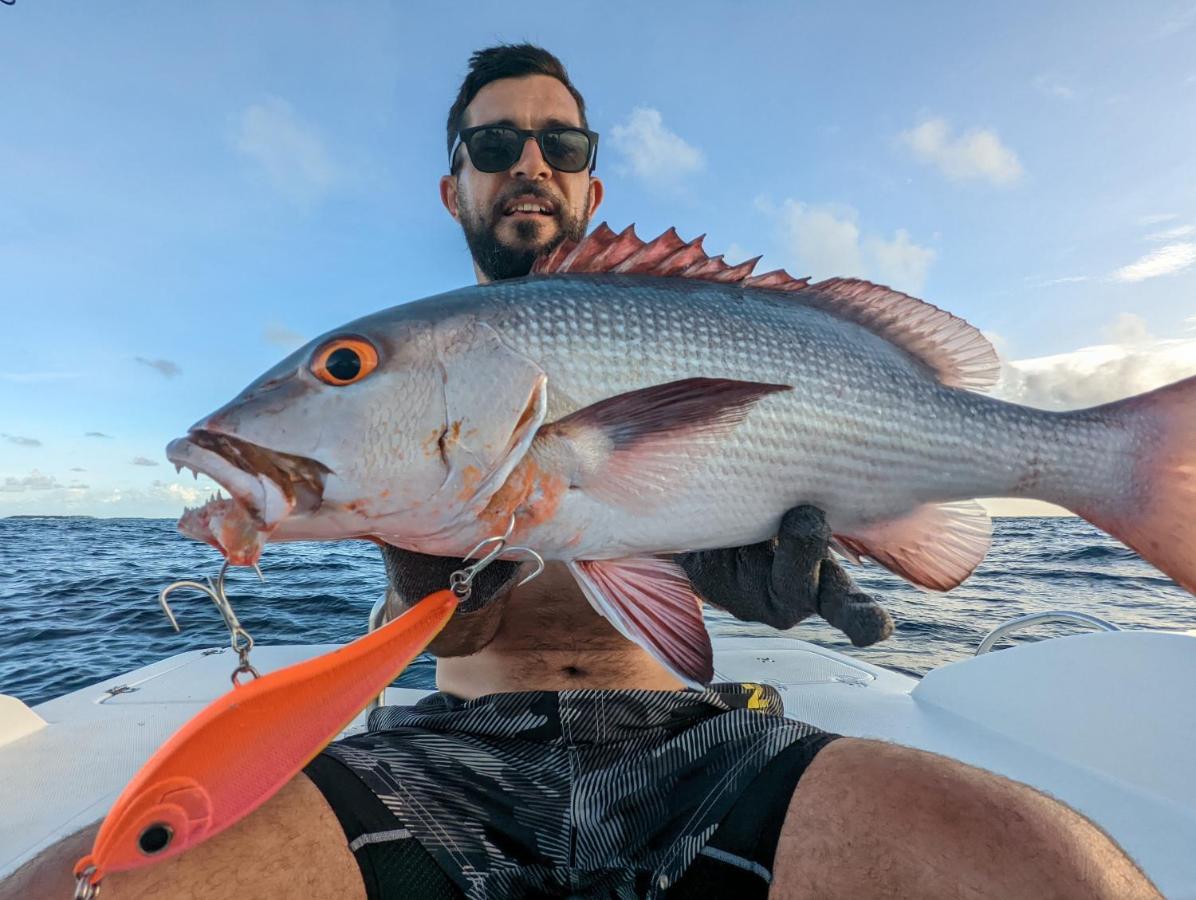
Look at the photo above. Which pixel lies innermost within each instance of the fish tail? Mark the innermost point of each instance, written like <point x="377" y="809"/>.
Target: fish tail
<point x="1150" y="505"/>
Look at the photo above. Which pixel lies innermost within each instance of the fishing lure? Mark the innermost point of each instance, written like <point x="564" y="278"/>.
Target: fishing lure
<point x="241" y="749"/>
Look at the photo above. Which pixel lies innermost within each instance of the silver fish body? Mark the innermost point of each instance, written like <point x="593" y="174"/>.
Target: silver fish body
<point x="866" y="434"/>
<point x="615" y="413"/>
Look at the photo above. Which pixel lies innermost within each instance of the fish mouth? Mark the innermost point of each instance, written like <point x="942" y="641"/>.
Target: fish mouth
<point x="268" y="485"/>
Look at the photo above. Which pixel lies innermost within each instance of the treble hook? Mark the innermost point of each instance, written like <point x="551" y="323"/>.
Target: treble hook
<point x="241" y="640"/>
<point x="461" y="581"/>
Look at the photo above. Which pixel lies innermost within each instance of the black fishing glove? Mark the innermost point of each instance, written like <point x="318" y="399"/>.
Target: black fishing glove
<point x="781" y="581"/>
<point x="413" y="576"/>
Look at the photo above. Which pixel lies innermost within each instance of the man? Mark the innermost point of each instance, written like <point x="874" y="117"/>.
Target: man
<point x="562" y="760"/>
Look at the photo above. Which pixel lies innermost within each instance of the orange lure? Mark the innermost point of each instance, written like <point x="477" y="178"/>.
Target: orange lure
<point x="242" y="748"/>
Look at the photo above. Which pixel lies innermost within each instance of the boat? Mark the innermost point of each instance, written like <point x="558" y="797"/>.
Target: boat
<point x="1105" y="721"/>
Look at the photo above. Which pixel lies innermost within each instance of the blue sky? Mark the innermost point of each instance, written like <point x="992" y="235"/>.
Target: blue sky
<point x="189" y="190"/>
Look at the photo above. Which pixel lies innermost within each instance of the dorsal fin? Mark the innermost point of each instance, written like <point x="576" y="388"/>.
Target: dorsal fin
<point x="956" y="352"/>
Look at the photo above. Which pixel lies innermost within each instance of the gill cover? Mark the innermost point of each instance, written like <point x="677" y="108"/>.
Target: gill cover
<point x="495" y="400"/>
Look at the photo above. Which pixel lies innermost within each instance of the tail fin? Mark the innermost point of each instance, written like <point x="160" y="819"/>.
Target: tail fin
<point x="1156" y="512"/>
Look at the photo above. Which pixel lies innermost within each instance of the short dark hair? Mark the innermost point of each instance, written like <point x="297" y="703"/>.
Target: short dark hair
<point x="507" y="61"/>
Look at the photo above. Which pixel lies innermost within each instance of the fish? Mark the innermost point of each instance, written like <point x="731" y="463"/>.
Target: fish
<point x="633" y="399"/>
<point x="243" y="747"/>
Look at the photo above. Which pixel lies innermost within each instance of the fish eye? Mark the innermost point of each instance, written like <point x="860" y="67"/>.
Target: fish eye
<point x="344" y="361"/>
<point x="155" y="839"/>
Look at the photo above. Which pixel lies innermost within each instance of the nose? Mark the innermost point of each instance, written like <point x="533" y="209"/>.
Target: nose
<point x="531" y="164"/>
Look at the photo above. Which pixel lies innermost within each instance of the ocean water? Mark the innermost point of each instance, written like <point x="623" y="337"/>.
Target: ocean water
<point x="78" y="598"/>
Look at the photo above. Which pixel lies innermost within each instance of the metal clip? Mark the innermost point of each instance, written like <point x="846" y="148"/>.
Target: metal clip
<point x="242" y="641"/>
<point x="84" y="889"/>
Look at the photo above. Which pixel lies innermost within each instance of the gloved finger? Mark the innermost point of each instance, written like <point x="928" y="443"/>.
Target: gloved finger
<point x="773" y="582"/>
<point x="803" y="542"/>
<point x="857" y="614"/>
<point x="739" y="580"/>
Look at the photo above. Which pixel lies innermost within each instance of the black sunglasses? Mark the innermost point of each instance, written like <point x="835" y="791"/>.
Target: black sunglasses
<point x="495" y="148"/>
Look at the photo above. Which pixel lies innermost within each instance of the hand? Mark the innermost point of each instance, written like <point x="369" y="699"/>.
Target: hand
<point x="413" y="576"/>
<point x="781" y="581"/>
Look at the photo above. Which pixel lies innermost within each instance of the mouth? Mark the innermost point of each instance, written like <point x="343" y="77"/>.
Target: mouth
<point x="266" y="485"/>
<point x="527" y="206"/>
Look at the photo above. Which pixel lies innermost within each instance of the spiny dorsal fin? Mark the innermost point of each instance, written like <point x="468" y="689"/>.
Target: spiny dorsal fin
<point x="956" y="352"/>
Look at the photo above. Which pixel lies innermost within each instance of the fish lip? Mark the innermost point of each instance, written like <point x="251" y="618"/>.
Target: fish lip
<point x="269" y="484"/>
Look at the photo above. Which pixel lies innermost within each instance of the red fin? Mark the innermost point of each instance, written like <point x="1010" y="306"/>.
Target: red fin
<point x="1155" y="510"/>
<point x="956" y="352"/>
<point x="631" y="447"/>
<point x="935" y="546"/>
<point x="650" y="601"/>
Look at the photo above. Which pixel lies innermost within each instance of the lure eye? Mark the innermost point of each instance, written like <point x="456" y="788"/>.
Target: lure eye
<point x="155" y="839"/>
<point x="344" y="361"/>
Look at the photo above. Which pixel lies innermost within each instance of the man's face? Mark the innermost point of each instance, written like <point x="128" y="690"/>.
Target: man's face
<point x="504" y="241"/>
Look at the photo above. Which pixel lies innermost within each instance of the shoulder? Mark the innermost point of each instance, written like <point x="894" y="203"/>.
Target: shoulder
<point x="876" y="818"/>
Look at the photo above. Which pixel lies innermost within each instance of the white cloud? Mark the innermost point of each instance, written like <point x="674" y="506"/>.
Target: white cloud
<point x="1053" y="87"/>
<point x="1157" y="218"/>
<point x="290" y="151"/>
<point x="652" y="151"/>
<point x="1180" y="22"/>
<point x="34" y="481"/>
<point x="281" y="336"/>
<point x="976" y="154"/>
<point x="184" y="493"/>
<point x="143" y="461"/>
<point x="735" y="254"/>
<point x="1164" y="261"/>
<point x="899" y="261"/>
<point x="1171" y="234"/>
<point x="1132" y="362"/>
<point x="1065" y="279"/>
<point x="825" y="241"/>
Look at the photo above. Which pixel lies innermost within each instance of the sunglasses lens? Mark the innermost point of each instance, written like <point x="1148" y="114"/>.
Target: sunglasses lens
<point x="567" y="149"/>
<point x="494" y="149"/>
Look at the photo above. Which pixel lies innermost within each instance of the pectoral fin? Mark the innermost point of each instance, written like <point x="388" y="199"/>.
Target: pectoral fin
<point x="650" y="601"/>
<point x="935" y="546"/>
<point x="632" y="448"/>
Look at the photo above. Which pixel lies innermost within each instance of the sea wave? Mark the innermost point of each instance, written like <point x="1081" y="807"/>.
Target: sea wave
<point x="79" y="598"/>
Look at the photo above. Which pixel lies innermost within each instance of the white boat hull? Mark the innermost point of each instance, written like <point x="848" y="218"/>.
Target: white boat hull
<point x="1104" y="722"/>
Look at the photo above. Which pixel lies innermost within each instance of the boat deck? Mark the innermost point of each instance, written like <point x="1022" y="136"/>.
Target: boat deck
<point x="1104" y="722"/>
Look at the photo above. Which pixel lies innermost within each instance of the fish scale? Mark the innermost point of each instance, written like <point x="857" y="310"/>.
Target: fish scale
<point x="782" y="455"/>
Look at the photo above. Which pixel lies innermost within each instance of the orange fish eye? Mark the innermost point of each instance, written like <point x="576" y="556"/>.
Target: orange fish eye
<point x="344" y="361"/>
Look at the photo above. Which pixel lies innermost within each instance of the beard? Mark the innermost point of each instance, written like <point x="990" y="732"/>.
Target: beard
<point x="497" y="260"/>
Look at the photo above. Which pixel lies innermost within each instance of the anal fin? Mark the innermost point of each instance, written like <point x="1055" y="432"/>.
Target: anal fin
<point x="651" y="602"/>
<point x="936" y="546"/>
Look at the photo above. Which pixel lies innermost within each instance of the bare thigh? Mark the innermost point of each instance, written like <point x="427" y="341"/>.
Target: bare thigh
<point x="292" y="846"/>
<point x="878" y="820"/>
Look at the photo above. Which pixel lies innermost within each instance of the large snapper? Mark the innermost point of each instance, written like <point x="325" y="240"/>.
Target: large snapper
<point x="632" y="399"/>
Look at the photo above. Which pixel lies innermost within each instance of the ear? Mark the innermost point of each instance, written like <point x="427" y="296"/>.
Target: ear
<point x="448" y="195"/>
<point x="597" y="192"/>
